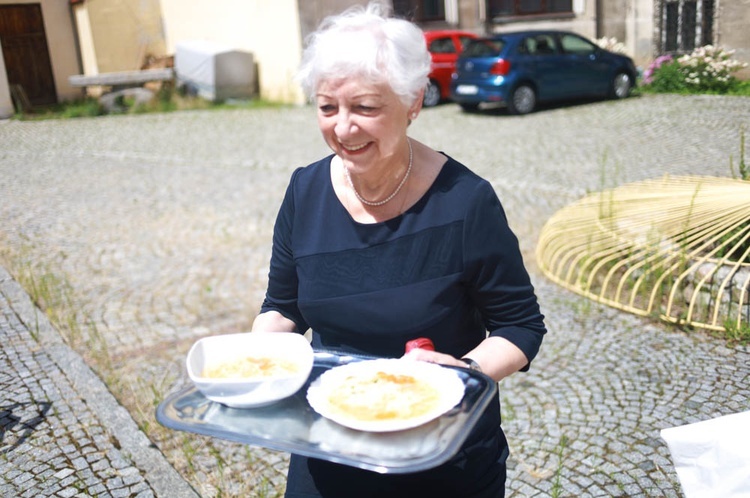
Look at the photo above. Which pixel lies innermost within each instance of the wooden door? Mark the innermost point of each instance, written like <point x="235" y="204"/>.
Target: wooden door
<point x="24" y="46"/>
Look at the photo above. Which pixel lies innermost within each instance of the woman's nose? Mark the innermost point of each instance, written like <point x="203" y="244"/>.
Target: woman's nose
<point x="344" y="125"/>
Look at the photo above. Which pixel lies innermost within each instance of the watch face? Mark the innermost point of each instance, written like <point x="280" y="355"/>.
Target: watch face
<point x="472" y="364"/>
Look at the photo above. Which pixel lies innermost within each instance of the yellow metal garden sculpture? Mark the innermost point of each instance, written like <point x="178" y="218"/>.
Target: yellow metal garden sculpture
<point x="676" y="248"/>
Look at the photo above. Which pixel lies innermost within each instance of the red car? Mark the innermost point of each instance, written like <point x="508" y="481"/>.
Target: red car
<point x="444" y="47"/>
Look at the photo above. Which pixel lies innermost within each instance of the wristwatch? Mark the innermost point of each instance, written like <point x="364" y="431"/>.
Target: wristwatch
<point x="473" y="365"/>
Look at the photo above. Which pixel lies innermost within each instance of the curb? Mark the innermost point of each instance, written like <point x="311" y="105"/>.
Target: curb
<point x="161" y="476"/>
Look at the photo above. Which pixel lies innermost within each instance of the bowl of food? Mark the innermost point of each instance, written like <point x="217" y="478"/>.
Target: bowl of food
<point x="250" y="369"/>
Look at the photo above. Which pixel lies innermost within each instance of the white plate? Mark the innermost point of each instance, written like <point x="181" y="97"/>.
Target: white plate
<point x="250" y="392"/>
<point x="440" y="389"/>
<point x="467" y="90"/>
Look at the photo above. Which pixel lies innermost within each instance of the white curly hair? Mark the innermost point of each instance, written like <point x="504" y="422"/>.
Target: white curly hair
<point x="367" y="42"/>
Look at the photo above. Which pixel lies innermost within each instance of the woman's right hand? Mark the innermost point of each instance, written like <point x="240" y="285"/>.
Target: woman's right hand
<point x="273" y="321"/>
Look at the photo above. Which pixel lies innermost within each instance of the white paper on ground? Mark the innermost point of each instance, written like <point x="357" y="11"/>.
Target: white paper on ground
<point x="712" y="458"/>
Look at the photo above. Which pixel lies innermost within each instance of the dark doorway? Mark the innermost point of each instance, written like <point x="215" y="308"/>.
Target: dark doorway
<point x="24" y="46"/>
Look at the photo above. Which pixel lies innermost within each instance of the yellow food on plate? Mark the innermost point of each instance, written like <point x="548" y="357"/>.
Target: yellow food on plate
<point x="383" y="396"/>
<point x="250" y="366"/>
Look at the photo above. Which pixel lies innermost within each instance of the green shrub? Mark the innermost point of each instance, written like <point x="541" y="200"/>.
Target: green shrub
<point x="706" y="69"/>
<point x="668" y="78"/>
<point x="710" y="69"/>
<point x="741" y="87"/>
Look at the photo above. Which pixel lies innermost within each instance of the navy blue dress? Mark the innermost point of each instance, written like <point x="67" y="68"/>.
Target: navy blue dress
<point x="449" y="269"/>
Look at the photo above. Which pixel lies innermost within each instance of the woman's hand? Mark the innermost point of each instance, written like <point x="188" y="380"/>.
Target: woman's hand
<point x="273" y="321"/>
<point x="497" y="357"/>
<point x="433" y="357"/>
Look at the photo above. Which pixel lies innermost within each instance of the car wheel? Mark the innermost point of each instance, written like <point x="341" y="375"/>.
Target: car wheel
<point x="469" y="107"/>
<point x="522" y="100"/>
<point x="621" y="86"/>
<point x="431" y="95"/>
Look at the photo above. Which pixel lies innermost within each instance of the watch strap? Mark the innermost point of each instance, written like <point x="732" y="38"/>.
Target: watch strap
<point x="473" y="365"/>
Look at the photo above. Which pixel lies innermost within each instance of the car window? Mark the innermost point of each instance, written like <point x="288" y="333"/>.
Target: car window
<point x="538" y="45"/>
<point x="442" y="46"/>
<point x="483" y="48"/>
<point x="572" y="44"/>
<point x="464" y="40"/>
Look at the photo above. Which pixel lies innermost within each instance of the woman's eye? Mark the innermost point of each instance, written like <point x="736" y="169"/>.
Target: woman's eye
<point x="367" y="108"/>
<point x="327" y="108"/>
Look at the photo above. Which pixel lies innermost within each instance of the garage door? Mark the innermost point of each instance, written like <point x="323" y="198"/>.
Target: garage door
<point x="24" y="46"/>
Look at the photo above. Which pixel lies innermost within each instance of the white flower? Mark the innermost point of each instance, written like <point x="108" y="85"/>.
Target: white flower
<point x="610" y="44"/>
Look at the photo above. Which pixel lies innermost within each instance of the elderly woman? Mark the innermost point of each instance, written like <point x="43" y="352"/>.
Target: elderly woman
<point x="387" y="240"/>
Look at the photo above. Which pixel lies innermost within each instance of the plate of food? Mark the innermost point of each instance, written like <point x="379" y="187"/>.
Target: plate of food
<point x="250" y="369"/>
<point x="385" y="395"/>
<point x="291" y="425"/>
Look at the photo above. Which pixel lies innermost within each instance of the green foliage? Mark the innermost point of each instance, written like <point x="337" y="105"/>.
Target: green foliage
<point x="668" y="78"/>
<point x="737" y="333"/>
<point x="557" y="487"/>
<point x="167" y="99"/>
<point x="82" y="108"/>
<point x="740" y="87"/>
<point x="706" y="69"/>
<point x="744" y="168"/>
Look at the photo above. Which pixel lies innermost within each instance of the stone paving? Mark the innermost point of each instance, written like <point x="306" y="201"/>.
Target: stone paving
<point x="61" y="431"/>
<point x="159" y="229"/>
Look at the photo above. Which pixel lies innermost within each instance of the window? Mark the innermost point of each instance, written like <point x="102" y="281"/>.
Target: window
<point x="572" y="44"/>
<point x="447" y="45"/>
<point x="420" y="10"/>
<point x="442" y="46"/>
<point x="464" y="40"/>
<point x="483" y="48"/>
<point x="686" y="24"/>
<point x="538" y="45"/>
<point x="508" y="8"/>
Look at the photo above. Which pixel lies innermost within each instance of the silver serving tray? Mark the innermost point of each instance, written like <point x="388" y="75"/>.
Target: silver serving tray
<point x="291" y="425"/>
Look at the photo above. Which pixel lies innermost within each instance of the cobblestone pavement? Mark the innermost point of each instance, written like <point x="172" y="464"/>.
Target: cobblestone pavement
<point x="61" y="431"/>
<point x="158" y="229"/>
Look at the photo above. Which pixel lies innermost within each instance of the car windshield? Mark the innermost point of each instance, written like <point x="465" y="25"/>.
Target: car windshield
<point x="483" y="48"/>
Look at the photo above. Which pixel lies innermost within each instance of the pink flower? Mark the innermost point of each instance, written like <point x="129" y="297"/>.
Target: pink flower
<point x="648" y="74"/>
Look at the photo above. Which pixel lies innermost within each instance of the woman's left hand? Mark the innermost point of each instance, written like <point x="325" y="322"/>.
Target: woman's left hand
<point x="433" y="357"/>
<point x="496" y="356"/>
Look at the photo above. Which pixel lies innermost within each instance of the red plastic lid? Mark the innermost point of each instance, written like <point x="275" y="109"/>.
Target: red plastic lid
<point x="420" y="343"/>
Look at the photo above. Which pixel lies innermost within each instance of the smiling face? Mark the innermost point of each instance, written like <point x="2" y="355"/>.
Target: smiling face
<point x="365" y="125"/>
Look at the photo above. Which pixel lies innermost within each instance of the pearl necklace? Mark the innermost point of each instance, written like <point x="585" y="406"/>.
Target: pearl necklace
<point x="395" y="192"/>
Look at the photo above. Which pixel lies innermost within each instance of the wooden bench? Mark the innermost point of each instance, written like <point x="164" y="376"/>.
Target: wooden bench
<point x="123" y="79"/>
<point x="123" y="84"/>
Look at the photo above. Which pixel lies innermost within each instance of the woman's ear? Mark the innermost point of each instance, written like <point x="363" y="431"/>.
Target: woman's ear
<point x="416" y="106"/>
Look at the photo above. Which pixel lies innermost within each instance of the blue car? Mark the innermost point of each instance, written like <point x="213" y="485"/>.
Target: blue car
<point x="524" y="68"/>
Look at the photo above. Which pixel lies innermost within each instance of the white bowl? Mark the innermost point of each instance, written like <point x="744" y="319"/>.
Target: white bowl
<point x="251" y="391"/>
